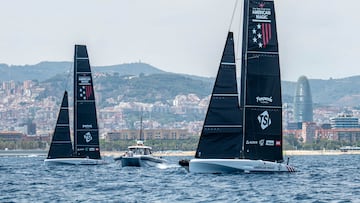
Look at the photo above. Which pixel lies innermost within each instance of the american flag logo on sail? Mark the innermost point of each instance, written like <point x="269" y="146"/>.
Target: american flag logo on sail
<point x="261" y="29"/>
<point x="261" y="34"/>
<point x="85" y="92"/>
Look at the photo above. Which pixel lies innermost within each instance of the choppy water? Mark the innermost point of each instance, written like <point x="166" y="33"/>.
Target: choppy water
<point x="321" y="179"/>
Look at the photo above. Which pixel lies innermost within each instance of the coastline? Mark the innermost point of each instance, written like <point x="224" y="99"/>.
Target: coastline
<point x="178" y="153"/>
<point x="286" y="153"/>
<point x="318" y="152"/>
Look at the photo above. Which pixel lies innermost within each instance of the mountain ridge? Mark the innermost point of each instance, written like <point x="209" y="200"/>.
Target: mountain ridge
<point x="336" y="92"/>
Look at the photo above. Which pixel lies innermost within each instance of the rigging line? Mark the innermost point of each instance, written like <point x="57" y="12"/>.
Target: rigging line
<point x="233" y="14"/>
<point x="238" y="34"/>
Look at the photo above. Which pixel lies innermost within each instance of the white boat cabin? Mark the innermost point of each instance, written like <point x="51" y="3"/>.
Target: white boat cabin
<point x="138" y="149"/>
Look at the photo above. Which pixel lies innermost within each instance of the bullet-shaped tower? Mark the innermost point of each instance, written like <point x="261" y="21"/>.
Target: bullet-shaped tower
<point x="303" y="110"/>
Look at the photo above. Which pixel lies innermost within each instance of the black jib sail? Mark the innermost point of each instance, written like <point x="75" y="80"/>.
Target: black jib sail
<point x="86" y="132"/>
<point x="260" y="83"/>
<point x="221" y="136"/>
<point x="61" y="146"/>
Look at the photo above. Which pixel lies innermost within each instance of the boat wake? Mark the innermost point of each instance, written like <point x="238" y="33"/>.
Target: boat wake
<point x="166" y="166"/>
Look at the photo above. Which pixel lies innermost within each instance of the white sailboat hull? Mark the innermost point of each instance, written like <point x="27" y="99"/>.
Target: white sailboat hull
<point x="236" y="165"/>
<point x="74" y="161"/>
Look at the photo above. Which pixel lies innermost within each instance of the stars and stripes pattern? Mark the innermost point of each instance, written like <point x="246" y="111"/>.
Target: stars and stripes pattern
<point x="261" y="34"/>
<point x="85" y="92"/>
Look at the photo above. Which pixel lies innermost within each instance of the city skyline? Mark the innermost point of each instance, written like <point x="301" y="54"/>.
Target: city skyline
<point x="316" y="38"/>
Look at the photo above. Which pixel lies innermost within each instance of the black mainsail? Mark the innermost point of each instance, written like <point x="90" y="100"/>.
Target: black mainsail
<point x="260" y="83"/>
<point x="61" y="146"/>
<point x="86" y="131"/>
<point x="221" y="136"/>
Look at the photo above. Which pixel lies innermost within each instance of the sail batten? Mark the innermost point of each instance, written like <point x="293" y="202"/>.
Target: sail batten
<point x="227" y="63"/>
<point x="261" y="52"/>
<point x="222" y="126"/>
<point x="225" y="95"/>
<point x="257" y="106"/>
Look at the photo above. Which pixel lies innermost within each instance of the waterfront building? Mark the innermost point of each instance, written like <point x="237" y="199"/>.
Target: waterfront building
<point x="344" y="121"/>
<point x="149" y="134"/>
<point x="308" y="131"/>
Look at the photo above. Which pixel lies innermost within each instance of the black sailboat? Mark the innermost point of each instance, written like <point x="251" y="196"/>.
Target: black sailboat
<point x="246" y="136"/>
<point x="86" y="149"/>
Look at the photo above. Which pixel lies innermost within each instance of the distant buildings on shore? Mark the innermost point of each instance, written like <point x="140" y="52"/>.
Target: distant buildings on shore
<point x="344" y="127"/>
<point x="26" y="117"/>
<point x="148" y="134"/>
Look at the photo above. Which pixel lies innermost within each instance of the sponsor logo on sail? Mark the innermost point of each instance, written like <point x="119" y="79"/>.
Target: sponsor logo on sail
<point x="261" y="12"/>
<point x="84" y="80"/>
<point x="87" y="137"/>
<point x="270" y="143"/>
<point x="86" y="126"/>
<point x="264" y="120"/>
<point x="249" y="142"/>
<point x="278" y="143"/>
<point x="264" y="100"/>
<point x="261" y="32"/>
<point x="261" y="142"/>
<point x="85" y="92"/>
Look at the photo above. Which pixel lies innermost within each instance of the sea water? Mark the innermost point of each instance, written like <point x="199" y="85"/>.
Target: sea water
<point x="320" y="179"/>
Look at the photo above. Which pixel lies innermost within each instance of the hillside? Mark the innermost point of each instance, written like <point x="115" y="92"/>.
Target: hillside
<point x="142" y="88"/>
<point x="142" y="82"/>
<point x="45" y="70"/>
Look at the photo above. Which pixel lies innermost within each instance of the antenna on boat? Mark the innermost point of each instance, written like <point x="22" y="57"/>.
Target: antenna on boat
<point x="141" y="126"/>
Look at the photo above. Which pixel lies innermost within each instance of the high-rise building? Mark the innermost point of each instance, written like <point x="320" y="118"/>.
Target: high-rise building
<point x="303" y="110"/>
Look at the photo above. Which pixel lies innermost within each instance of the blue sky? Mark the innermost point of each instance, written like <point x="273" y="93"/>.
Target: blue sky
<point x="317" y="38"/>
